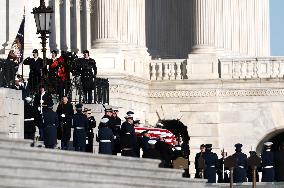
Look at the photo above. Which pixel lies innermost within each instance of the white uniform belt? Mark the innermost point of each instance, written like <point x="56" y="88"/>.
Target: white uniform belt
<point x="241" y="166"/>
<point x="105" y="141"/>
<point x="31" y="119"/>
<point x="213" y="166"/>
<point x="79" y="127"/>
<point x="268" y="167"/>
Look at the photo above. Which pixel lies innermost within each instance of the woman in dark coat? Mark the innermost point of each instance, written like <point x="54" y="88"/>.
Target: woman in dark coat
<point x="50" y="125"/>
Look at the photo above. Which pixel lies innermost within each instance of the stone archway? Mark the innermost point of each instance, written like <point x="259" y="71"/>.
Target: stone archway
<point x="275" y="136"/>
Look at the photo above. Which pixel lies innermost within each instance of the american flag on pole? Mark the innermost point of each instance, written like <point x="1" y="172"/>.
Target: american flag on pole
<point x="155" y="133"/>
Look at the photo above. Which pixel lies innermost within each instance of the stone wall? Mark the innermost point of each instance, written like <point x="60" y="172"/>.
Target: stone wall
<point x="11" y="113"/>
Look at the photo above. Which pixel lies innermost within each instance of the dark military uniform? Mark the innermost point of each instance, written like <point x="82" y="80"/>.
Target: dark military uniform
<point x="90" y="134"/>
<point x="29" y="121"/>
<point x="279" y="165"/>
<point x="50" y="124"/>
<point x="267" y="166"/>
<point x="151" y="152"/>
<point x="9" y="71"/>
<point x="127" y="135"/>
<point x="65" y="113"/>
<point x="222" y="179"/>
<point x="197" y="170"/>
<point x="80" y="124"/>
<point x="36" y="72"/>
<point x="166" y="153"/>
<point x="115" y="123"/>
<point x="211" y="162"/>
<point x="240" y="172"/>
<point x="88" y="73"/>
<point x="105" y="138"/>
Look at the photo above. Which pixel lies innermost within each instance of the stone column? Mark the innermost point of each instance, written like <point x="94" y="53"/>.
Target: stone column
<point x="54" y="39"/>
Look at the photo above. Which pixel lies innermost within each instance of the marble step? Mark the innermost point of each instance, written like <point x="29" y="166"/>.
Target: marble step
<point x="103" y="177"/>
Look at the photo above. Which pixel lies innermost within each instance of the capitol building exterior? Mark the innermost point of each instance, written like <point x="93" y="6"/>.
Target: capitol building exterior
<point x="204" y="62"/>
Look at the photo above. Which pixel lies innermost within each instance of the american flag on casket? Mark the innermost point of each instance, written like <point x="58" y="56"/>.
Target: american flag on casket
<point x="155" y="133"/>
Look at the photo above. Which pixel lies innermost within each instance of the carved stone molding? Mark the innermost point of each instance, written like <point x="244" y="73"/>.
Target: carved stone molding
<point x="216" y="93"/>
<point x="126" y="89"/>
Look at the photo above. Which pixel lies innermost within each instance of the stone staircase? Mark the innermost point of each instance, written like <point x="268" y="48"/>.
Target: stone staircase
<point x="22" y="166"/>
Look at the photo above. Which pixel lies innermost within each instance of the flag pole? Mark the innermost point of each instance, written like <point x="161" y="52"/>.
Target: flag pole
<point x="23" y="48"/>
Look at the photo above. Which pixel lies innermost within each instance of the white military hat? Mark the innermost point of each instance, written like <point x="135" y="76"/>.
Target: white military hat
<point x="268" y="144"/>
<point x="28" y="99"/>
<point x="152" y="142"/>
<point x="104" y="120"/>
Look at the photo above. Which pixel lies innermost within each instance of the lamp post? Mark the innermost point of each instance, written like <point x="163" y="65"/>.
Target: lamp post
<point x="42" y="16"/>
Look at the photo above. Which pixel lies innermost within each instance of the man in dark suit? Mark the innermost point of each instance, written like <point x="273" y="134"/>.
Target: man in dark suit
<point x="65" y="113"/>
<point x="267" y="163"/>
<point x="197" y="156"/>
<point x="279" y="163"/>
<point x="37" y="70"/>
<point x="80" y="125"/>
<point x="211" y="162"/>
<point x="50" y="124"/>
<point x="240" y="172"/>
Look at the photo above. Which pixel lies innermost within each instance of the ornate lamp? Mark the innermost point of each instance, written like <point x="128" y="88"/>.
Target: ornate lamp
<point x="42" y="16"/>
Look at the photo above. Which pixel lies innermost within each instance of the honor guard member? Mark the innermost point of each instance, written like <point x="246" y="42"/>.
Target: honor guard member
<point x="250" y="170"/>
<point x="115" y="125"/>
<point x="65" y="113"/>
<point x="105" y="137"/>
<point x="165" y="151"/>
<point x="151" y="152"/>
<point x="267" y="163"/>
<point x="50" y="124"/>
<point x="279" y="163"/>
<point x="240" y="172"/>
<point x="128" y="139"/>
<point x="40" y="100"/>
<point x="222" y="172"/>
<point x="80" y="124"/>
<point x="53" y="72"/>
<point x="88" y="74"/>
<point x="197" y="156"/>
<point x="29" y="121"/>
<point x="90" y="134"/>
<point x="9" y="70"/>
<point x="36" y="70"/>
<point x="211" y="162"/>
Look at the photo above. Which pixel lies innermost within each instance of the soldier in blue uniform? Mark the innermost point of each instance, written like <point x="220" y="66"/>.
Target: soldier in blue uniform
<point x="50" y="124"/>
<point x="211" y="162"/>
<point x="267" y="163"/>
<point x="105" y="137"/>
<point x="80" y="124"/>
<point x="240" y="172"/>
<point x="197" y="156"/>
<point x="115" y="125"/>
<point x="37" y="70"/>
<point x="250" y="170"/>
<point x="29" y="121"/>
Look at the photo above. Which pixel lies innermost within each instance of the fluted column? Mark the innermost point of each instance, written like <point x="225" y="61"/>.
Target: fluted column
<point x="68" y="24"/>
<point x="54" y="39"/>
<point x="203" y="26"/>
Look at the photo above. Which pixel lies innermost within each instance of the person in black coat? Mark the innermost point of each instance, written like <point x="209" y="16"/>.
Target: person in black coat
<point x="197" y="156"/>
<point x="250" y="169"/>
<point x="211" y="162"/>
<point x="65" y="113"/>
<point x="105" y="137"/>
<point x="267" y="163"/>
<point x="29" y="119"/>
<point x="165" y="151"/>
<point x="279" y="163"/>
<point x="41" y="99"/>
<point x="80" y="124"/>
<point x="222" y="172"/>
<point x="50" y="124"/>
<point x="9" y="70"/>
<point x="240" y="172"/>
<point x="88" y="74"/>
<point x="90" y="134"/>
<point x="37" y="70"/>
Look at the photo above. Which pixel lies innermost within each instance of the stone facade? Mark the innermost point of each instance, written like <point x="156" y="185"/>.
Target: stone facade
<point x="204" y="62"/>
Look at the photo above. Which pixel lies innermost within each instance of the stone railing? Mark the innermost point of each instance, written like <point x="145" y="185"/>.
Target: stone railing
<point x="250" y="68"/>
<point x="168" y="69"/>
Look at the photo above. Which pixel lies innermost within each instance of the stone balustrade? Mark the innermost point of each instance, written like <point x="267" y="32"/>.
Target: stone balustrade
<point x="250" y="68"/>
<point x="168" y="69"/>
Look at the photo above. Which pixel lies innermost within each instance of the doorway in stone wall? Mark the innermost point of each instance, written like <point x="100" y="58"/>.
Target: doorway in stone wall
<point x="276" y="136"/>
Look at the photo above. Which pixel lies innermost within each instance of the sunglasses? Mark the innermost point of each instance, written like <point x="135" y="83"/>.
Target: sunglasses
<point x="89" y="113"/>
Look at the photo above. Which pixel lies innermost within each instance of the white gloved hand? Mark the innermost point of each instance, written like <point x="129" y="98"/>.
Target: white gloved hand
<point x="38" y="108"/>
<point x="62" y="115"/>
<point x="41" y="101"/>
